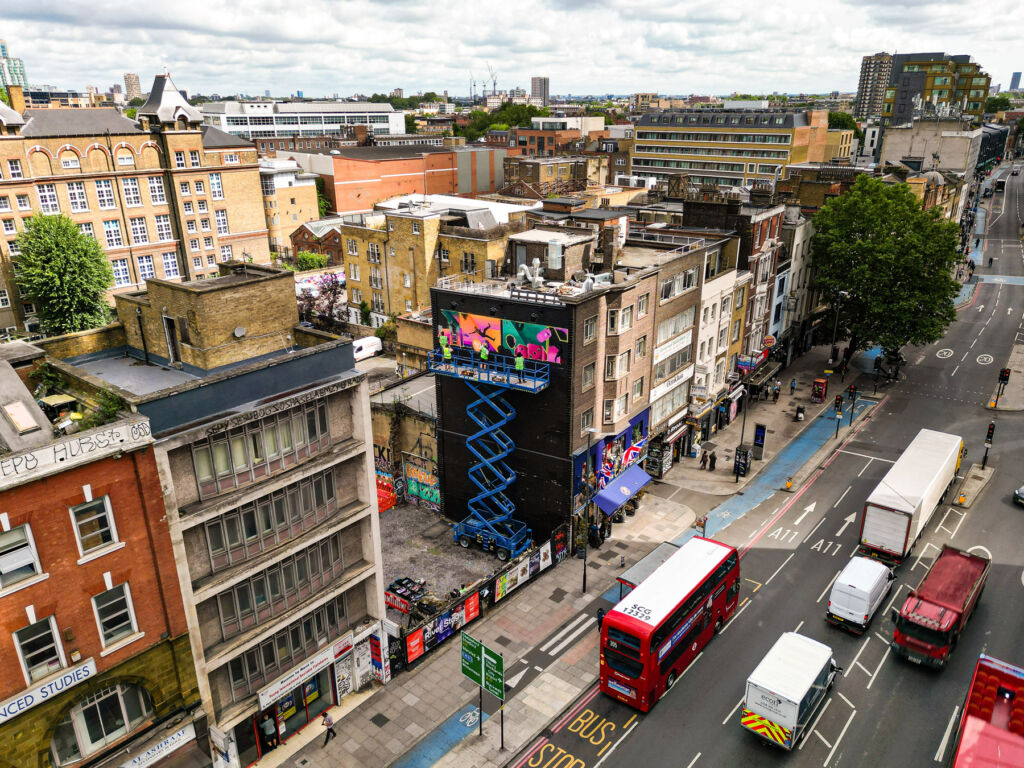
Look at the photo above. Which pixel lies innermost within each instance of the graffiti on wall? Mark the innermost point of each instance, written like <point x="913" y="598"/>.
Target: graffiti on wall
<point x="386" y="494"/>
<point x="421" y="481"/>
<point x="510" y="337"/>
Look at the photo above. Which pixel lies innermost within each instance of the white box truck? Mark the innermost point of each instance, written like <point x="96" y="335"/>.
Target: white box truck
<point x="903" y="502"/>
<point x="787" y="689"/>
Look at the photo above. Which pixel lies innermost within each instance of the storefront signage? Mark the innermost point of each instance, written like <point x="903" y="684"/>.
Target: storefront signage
<point x="665" y="387"/>
<point x="669" y="349"/>
<point x="286" y="683"/>
<point x="37" y="694"/>
<point x="159" y="750"/>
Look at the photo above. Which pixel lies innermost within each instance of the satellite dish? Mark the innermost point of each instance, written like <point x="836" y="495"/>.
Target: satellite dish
<point x="239" y="332"/>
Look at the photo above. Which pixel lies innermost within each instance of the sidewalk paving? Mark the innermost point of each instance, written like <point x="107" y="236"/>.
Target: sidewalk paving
<point x="427" y="716"/>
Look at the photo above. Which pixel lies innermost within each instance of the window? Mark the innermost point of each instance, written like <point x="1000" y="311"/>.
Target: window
<point x="5" y="203"/>
<point x="736" y="331"/>
<point x="626" y="319"/>
<point x="468" y="262"/>
<point x="207" y="243"/>
<point x="353" y="271"/>
<point x="673" y="363"/>
<point x="114" y="614"/>
<point x="112" y="231"/>
<point x="443" y="253"/>
<point x="641" y="347"/>
<point x="225" y="253"/>
<point x="373" y="253"/>
<point x="739" y="297"/>
<point x="230" y="158"/>
<point x="700" y="354"/>
<point x="39" y="649"/>
<point x="193" y="157"/>
<point x="193" y="244"/>
<point x="126" y="158"/>
<point x="197" y="261"/>
<point x="613" y="322"/>
<point x="678" y="284"/>
<point x="191" y="227"/>
<point x="48" y="198"/>
<point x="205" y="224"/>
<point x="642" y="305"/>
<point x="201" y="206"/>
<point x="24" y="204"/>
<point x="415" y="227"/>
<point x="221" y="217"/>
<point x="676" y="324"/>
<point x="132" y="196"/>
<point x="609" y="411"/>
<point x="140" y="234"/>
<point x="352" y="247"/>
<point x="723" y="333"/>
<point x="638" y="389"/>
<point x="5" y="299"/>
<point x="211" y="259"/>
<point x="76" y="194"/>
<point x="145" y="267"/>
<point x="621" y="406"/>
<point x="171" y="265"/>
<point x="18" y="560"/>
<point x="200" y="188"/>
<point x="725" y="306"/>
<point x="587" y="420"/>
<point x="70" y="161"/>
<point x="610" y="367"/>
<point x="179" y="159"/>
<point x="589" y="329"/>
<point x="121" y="277"/>
<point x="14" y="166"/>
<point x="99" y="719"/>
<point x="588" y="376"/>
<point x="10" y="228"/>
<point x="105" y="194"/>
<point x="356" y="295"/>
<point x="163" y="227"/>
<point x="29" y="308"/>
<point x="14" y="248"/>
<point x="185" y="189"/>
<point x="216" y="190"/>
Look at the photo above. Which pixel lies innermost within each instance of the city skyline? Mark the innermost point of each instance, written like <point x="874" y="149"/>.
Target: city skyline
<point x="680" y="48"/>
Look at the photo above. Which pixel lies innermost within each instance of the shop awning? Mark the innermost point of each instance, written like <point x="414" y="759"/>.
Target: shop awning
<point x="622" y="489"/>
<point x="762" y="374"/>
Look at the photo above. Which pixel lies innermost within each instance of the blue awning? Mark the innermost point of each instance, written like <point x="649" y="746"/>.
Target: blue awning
<point x="622" y="489"/>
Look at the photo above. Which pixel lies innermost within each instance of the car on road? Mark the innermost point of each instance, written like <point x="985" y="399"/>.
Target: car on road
<point x="1018" y="495"/>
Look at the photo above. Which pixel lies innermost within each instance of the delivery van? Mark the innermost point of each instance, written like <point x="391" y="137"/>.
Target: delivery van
<point x="368" y="346"/>
<point x="787" y="689"/>
<point x="857" y="592"/>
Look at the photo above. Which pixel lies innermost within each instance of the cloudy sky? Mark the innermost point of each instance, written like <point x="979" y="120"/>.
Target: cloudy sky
<point x="324" y="47"/>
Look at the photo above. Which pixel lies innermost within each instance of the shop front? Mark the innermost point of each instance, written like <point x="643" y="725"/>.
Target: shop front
<point x="668" y="448"/>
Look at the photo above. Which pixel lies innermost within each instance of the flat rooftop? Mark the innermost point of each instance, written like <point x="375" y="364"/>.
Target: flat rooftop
<point x="135" y="376"/>
<point x="549" y="236"/>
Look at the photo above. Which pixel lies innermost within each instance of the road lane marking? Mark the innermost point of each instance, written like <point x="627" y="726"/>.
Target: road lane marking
<point x="848" y="702"/>
<point x="695" y="759"/>
<point x="743" y="607"/>
<point x="621" y="739"/>
<point x="808" y="509"/>
<point x="822" y="738"/>
<point x="888" y="608"/>
<point x="884" y="657"/>
<point x="973" y="343"/>
<point x="831" y="581"/>
<point x="865" y="456"/>
<point x="840" y="499"/>
<point x="984" y="551"/>
<point x="732" y="712"/>
<point x="815" y="723"/>
<point x="841" y="734"/>
<point x="945" y="736"/>
<point x="780" y="568"/>
<point x="852" y="517"/>
<point x="554" y="640"/>
<point x="865" y="467"/>
<point x="955" y="370"/>
<point x="813" y="530"/>
<point x="798" y="626"/>
<point x="855" y="658"/>
<point x="759" y="584"/>
<point x="964" y="357"/>
<point x="923" y="551"/>
<point x="587" y="625"/>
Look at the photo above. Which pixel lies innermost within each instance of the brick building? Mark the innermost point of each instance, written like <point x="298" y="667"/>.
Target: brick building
<point x="263" y="446"/>
<point x="289" y="200"/>
<point x="97" y="660"/>
<point x="164" y="196"/>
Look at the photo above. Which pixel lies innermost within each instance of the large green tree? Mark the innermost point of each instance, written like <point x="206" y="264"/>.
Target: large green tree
<point x="884" y="262"/>
<point x="64" y="273"/>
<point x="995" y="104"/>
<point x="845" y="120"/>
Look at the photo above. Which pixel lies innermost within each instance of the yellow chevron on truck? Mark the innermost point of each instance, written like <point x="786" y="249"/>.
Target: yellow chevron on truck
<point x="764" y="727"/>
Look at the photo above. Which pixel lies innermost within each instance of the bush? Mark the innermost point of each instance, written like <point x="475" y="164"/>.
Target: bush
<point x="307" y="260"/>
<point x="387" y="332"/>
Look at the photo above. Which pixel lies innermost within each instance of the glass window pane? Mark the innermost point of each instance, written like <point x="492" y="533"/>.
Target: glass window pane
<point x="204" y="463"/>
<point x="280" y="513"/>
<point x="244" y="597"/>
<point x="311" y="425"/>
<point x="329" y="484"/>
<point x="299" y="430"/>
<point x="233" y="531"/>
<point x="322" y="413"/>
<point x="256" y="445"/>
<point x="318" y="489"/>
<point x="284" y="431"/>
<point x="238" y="455"/>
<point x="270" y="436"/>
<point x="114" y="614"/>
<point x="227" y="607"/>
<point x="215" y="535"/>
<point x="221" y="458"/>
<point x="259" y="592"/>
<point x="93" y="525"/>
<point x="134" y="706"/>
<point x="249" y="523"/>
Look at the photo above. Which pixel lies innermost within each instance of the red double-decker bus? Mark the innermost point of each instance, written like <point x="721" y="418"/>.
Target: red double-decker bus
<point x="655" y="631"/>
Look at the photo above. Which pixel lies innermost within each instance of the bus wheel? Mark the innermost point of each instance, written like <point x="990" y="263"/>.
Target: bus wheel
<point x="718" y="625"/>
<point x="671" y="681"/>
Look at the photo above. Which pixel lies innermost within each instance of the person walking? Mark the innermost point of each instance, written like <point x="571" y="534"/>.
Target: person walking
<point x="792" y="387"/>
<point x="269" y="729"/>
<point x="328" y="723"/>
<point x="704" y="460"/>
<point x="712" y="459"/>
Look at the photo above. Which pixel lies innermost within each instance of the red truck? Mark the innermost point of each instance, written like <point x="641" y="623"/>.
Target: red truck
<point x="933" y="615"/>
<point x="991" y="727"/>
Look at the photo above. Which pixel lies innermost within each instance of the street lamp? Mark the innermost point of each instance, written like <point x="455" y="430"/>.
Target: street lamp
<point x="835" y="327"/>
<point x="589" y="491"/>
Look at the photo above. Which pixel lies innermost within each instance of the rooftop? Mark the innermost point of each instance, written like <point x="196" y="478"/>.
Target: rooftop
<point x="727" y="118"/>
<point x="430" y="205"/>
<point x="552" y="236"/>
<point x="269" y="107"/>
<point x="82" y="121"/>
<point x="401" y="152"/>
<point x="134" y="375"/>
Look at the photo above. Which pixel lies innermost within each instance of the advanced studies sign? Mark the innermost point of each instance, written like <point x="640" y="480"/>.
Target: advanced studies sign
<point x="39" y="693"/>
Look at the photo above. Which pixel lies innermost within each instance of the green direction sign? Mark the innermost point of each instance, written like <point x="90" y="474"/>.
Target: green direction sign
<point x="472" y="659"/>
<point x="494" y="673"/>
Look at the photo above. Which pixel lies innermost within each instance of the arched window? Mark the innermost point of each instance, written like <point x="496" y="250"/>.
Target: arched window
<point x="99" y="719"/>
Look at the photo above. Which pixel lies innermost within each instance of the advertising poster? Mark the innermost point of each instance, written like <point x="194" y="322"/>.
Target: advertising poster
<point x="414" y="645"/>
<point x="545" y="555"/>
<point x="560" y="543"/>
<point x="534" y="564"/>
<point x="311" y="690"/>
<point x="500" y="587"/>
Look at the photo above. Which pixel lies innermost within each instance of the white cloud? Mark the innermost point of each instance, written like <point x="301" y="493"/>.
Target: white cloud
<point x="324" y="47"/>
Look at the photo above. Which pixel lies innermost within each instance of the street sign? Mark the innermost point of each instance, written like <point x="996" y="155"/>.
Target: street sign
<point x="472" y="658"/>
<point x="483" y="666"/>
<point x="768" y="341"/>
<point x="494" y="673"/>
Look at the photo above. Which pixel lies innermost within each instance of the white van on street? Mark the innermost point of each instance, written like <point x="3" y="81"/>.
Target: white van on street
<point x="368" y="346"/>
<point x="857" y="592"/>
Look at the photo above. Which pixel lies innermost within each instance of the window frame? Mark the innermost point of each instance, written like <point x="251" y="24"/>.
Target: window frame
<point x="30" y="544"/>
<point x="57" y="644"/>
<point x="130" y="609"/>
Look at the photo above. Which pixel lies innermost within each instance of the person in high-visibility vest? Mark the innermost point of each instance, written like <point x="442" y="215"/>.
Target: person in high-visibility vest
<point x="447" y="352"/>
<point x="520" y="365"/>
<point x="483" y="357"/>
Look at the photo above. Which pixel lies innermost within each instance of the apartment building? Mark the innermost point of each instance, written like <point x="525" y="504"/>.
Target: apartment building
<point x="257" y="120"/>
<point x="263" y="447"/>
<point x="132" y="88"/>
<point x="540" y="90"/>
<point x="97" y="666"/>
<point x="934" y="84"/>
<point x="726" y="147"/>
<point x="395" y="253"/>
<point x="875" y="75"/>
<point x="839" y="145"/>
<point x="163" y="195"/>
<point x="289" y="200"/>
<point x="12" y="70"/>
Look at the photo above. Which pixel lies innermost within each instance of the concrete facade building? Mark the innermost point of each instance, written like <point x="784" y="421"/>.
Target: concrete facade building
<point x="289" y="200"/>
<point x="950" y="145"/>
<point x="12" y="70"/>
<point x="132" y="89"/>
<point x="164" y="196"/>
<point x="539" y="90"/>
<point x="271" y="119"/>
<point x="264" y="448"/>
<point x="875" y="74"/>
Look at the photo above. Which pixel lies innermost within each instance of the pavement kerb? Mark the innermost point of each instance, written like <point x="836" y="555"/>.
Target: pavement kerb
<point x="1012" y="398"/>
<point x="973" y="484"/>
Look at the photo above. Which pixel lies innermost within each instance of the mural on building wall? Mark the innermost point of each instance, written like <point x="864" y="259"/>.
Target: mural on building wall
<point x="386" y="495"/>
<point x="510" y="337"/>
<point x="422" y="485"/>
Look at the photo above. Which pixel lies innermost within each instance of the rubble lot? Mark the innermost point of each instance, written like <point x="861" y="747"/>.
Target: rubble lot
<point x="416" y="542"/>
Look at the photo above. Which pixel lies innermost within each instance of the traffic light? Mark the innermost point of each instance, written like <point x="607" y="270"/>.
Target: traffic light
<point x="839" y="403"/>
<point x="853" y="392"/>
<point x="1004" y="375"/>
<point x="991" y="432"/>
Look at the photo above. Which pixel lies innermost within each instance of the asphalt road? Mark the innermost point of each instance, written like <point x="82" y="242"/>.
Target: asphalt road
<point x="882" y="709"/>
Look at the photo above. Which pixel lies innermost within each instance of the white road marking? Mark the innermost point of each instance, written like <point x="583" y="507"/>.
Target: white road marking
<point x="850" y="668"/>
<point x="842" y="497"/>
<point x="616" y="744"/>
<point x="846" y="521"/>
<point x="781" y="567"/>
<point x="798" y="626"/>
<point x="955" y="370"/>
<point x="732" y="712"/>
<point x="865" y="456"/>
<point x="827" y="588"/>
<point x="695" y="759"/>
<point x="560" y="635"/>
<point x="588" y="624"/>
<point x="822" y="738"/>
<point x="924" y="549"/>
<point x="813" y="530"/>
<point x="973" y="343"/>
<point x="884" y="657"/>
<point x="964" y="357"/>
<point x="945" y="736"/>
<point x="841" y="734"/>
<point x="984" y="550"/>
<point x="848" y="702"/>
<point x="815" y="723"/>
<point x="807" y="509"/>
<point x="736" y="616"/>
<point x="865" y="467"/>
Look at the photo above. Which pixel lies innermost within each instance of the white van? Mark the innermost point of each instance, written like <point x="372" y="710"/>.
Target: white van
<point x="368" y="346"/>
<point x="857" y="593"/>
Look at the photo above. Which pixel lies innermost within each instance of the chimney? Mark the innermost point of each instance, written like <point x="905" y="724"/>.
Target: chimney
<point x="16" y="95"/>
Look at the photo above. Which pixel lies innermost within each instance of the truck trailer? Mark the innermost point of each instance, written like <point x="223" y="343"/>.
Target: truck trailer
<point x="991" y="727"/>
<point x="929" y="623"/>
<point x="901" y="505"/>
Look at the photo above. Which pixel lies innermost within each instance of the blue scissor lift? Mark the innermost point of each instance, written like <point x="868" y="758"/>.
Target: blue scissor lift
<point x="490" y="522"/>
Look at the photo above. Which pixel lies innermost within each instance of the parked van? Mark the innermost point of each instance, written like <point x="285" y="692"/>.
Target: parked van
<point x="368" y="346"/>
<point x="857" y="593"/>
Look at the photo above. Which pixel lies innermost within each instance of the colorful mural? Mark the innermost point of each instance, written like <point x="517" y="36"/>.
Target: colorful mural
<point x="386" y="495"/>
<point x="510" y="337"/>
<point x="421" y="482"/>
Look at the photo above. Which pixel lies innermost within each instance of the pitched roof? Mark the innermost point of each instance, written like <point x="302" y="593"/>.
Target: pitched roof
<point x="166" y="104"/>
<point x="81" y="121"/>
<point x="9" y="117"/>
<point x="215" y="138"/>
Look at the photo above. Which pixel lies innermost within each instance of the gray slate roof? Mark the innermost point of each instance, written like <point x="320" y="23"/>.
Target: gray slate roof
<point x="215" y="138"/>
<point x="83" y="121"/>
<point x="166" y="104"/>
<point x="9" y="117"/>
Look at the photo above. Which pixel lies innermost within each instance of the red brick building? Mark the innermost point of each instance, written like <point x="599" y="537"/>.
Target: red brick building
<point x="95" y="651"/>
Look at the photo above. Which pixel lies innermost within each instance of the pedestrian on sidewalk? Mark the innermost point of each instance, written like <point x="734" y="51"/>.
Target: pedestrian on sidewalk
<point x="792" y="387"/>
<point x="712" y="459"/>
<point x="269" y="728"/>
<point x="328" y="723"/>
<point x="703" y="459"/>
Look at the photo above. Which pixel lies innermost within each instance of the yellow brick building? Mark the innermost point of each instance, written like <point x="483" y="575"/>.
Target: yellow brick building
<point x="289" y="200"/>
<point x="838" y="144"/>
<point x="165" y="196"/>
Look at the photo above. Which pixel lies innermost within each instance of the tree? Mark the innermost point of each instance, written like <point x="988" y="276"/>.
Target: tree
<point x="64" y="273"/>
<point x="844" y="120"/>
<point x="323" y="203"/>
<point x="410" y="123"/>
<point x="995" y="104"/>
<point x="131" y="112"/>
<point x="4" y="97"/>
<point x="884" y="263"/>
<point x="138" y="101"/>
<point x="308" y="260"/>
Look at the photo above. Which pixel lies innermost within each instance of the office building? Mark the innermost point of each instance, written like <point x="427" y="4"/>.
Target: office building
<point x="164" y="195"/>
<point x="272" y="119"/>
<point x="12" y="71"/>
<point x="1015" y="81"/>
<point x="875" y="74"/>
<point x="132" y="89"/>
<point x="264" y="449"/>
<point x="539" y="89"/>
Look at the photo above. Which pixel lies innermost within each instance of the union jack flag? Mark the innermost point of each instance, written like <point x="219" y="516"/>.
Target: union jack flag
<point x="633" y="452"/>
<point x="604" y="476"/>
